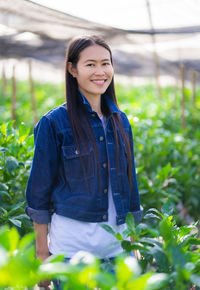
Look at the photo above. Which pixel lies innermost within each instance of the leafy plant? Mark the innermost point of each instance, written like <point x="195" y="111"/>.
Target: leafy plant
<point x="20" y="269"/>
<point x="16" y="150"/>
<point x="164" y="247"/>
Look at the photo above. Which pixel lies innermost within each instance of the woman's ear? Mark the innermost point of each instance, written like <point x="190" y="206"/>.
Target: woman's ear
<point x="71" y="69"/>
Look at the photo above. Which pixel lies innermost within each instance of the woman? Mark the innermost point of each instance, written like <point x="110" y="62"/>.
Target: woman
<point x="83" y="170"/>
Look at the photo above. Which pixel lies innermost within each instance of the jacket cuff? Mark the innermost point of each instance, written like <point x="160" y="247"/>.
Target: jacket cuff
<point x="138" y="214"/>
<point x="38" y="216"/>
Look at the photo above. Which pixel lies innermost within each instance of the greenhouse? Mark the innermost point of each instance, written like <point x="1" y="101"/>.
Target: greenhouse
<point x="155" y="47"/>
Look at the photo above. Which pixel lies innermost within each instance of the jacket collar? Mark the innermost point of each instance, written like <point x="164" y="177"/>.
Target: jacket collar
<point x="113" y="108"/>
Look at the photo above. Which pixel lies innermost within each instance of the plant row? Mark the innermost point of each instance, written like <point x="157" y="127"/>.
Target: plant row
<point x="169" y="259"/>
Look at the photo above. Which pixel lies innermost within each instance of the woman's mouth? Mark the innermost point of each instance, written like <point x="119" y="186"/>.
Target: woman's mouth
<point x="98" y="82"/>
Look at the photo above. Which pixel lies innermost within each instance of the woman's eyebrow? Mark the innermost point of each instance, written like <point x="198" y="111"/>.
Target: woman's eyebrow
<point x="94" y="60"/>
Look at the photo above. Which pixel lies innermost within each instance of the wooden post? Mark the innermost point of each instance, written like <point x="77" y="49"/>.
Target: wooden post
<point x="182" y="73"/>
<point x="13" y="109"/>
<point x="33" y="99"/>
<point x="193" y="79"/>
<point x="4" y="81"/>
<point x="155" y="55"/>
<point x="176" y="89"/>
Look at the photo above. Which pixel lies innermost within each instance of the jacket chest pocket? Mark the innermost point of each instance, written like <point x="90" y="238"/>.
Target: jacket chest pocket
<point x="77" y="165"/>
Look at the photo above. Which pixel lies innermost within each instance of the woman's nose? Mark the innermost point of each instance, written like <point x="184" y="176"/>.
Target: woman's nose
<point x="99" y="70"/>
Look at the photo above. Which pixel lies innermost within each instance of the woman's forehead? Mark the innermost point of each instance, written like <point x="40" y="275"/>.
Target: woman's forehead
<point x="94" y="53"/>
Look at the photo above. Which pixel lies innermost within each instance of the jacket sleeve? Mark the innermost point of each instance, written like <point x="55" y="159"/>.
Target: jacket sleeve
<point x="136" y="208"/>
<point x="43" y="172"/>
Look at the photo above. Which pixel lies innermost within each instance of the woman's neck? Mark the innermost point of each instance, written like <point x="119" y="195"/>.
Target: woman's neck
<point x="95" y="103"/>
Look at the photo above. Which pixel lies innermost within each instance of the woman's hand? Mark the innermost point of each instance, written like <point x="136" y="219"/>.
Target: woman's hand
<point x="42" y="250"/>
<point x="45" y="284"/>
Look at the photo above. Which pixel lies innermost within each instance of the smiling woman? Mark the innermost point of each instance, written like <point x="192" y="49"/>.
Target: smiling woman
<point x="94" y="72"/>
<point x="83" y="170"/>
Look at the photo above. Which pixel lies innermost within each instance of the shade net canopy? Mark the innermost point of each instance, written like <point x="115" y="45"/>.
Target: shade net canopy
<point x="30" y="30"/>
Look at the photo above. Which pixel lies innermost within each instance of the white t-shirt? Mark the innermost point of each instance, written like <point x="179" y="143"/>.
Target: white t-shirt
<point x="68" y="236"/>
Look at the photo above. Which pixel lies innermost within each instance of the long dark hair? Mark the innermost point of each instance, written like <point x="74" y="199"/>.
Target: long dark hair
<point x="81" y="128"/>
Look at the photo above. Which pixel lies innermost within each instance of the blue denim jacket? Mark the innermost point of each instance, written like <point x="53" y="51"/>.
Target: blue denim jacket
<point x="56" y="180"/>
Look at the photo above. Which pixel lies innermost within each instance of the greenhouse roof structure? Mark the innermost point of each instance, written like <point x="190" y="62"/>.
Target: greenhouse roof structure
<point x="30" y="30"/>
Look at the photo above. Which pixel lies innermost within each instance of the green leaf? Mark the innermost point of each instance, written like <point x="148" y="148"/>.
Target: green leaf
<point x="22" y="217"/>
<point x="123" y="271"/>
<point x="5" y="212"/>
<point x="195" y="279"/>
<point x="126" y="245"/>
<point x="11" y="164"/>
<point x="15" y="222"/>
<point x="126" y="233"/>
<point x="165" y="227"/>
<point x="152" y="216"/>
<point x="13" y="239"/>
<point x="139" y="283"/>
<point x="177" y="255"/>
<point x="164" y="172"/>
<point x="23" y="130"/>
<point x="154" y="210"/>
<point x="3" y="129"/>
<point x="4" y="257"/>
<point x="143" y="229"/>
<point x="185" y="230"/>
<point x="105" y="280"/>
<point x="6" y="194"/>
<point x="157" y="282"/>
<point x="55" y="268"/>
<point x="20" y="163"/>
<point x="15" y="208"/>
<point x="119" y="237"/>
<point x="3" y="186"/>
<point x="4" y="239"/>
<point x="189" y="266"/>
<point x="139" y="169"/>
<point x="190" y="241"/>
<point x="10" y="127"/>
<point x="22" y="139"/>
<point x="108" y="228"/>
<point x="150" y="241"/>
<point x="139" y="246"/>
<point x="160" y="257"/>
<point x="26" y="241"/>
<point x="55" y="258"/>
<point x="168" y="208"/>
<point x="3" y="149"/>
<point x="130" y="222"/>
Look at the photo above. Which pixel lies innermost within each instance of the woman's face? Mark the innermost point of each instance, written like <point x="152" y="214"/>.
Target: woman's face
<point x="94" y="71"/>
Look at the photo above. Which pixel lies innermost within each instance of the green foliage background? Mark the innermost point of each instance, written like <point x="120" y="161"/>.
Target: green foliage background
<point x="166" y="156"/>
<point x="167" y="162"/>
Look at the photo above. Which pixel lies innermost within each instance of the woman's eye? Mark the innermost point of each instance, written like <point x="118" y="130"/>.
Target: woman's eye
<point x="106" y="63"/>
<point x="90" y="64"/>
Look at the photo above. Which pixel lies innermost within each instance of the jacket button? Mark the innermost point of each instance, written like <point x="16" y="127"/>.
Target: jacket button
<point x="104" y="165"/>
<point x="104" y="217"/>
<point x="105" y="190"/>
<point x="101" y="138"/>
<point x="93" y="115"/>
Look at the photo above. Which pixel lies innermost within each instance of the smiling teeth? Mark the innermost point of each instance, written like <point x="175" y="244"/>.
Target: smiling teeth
<point x="99" y="82"/>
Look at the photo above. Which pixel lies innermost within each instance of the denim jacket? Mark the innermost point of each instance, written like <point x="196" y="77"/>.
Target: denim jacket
<point x="56" y="180"/>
